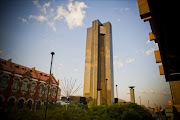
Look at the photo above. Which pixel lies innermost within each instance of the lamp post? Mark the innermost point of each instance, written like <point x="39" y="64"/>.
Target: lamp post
<point x="52" y="53"/>
<point x="106" y="96"/>
<point x="116" y="95"/>
<point x="148" y="103"/>
<point x="116" y="91"/>
<point x="140" y="99"/>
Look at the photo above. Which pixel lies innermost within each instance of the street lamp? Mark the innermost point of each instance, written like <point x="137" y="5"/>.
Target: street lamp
<point x="148" y="103"/>
<point x="52" y="53"/>
<point x="140" y="99"/>
<point x="116" y="92"/>
<point x="116" y="95"/>
<point x="106" y="96"/>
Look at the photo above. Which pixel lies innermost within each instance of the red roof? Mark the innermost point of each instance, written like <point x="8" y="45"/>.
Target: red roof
<point x="19" y="69"/>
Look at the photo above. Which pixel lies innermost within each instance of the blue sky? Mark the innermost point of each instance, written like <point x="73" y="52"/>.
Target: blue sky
<point x="31" y="29"/>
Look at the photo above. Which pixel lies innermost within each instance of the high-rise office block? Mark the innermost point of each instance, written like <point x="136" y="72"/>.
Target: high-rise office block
<point x="99" y="62"/>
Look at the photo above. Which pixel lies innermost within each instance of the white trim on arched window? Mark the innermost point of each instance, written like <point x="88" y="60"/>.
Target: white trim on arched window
<point x="12" y="97"/>
<point x="31" y="100"/>
<point x="23" y="99"/>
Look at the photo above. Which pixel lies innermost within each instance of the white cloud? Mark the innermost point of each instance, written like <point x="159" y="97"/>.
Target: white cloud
<point x="51" y="10"/>
<point x="42" y="8"/>
<point x="52" y="25"/>
<point x="146" y="91"/>
<point x="164" y="93"/>
<point x="148" y="41"/>
<point x="122" y="9"/>
<point x="38" y="18"/>
<point x="59" y="66"/>
<point x="45" y="6"/>
<point x="151" y="50"/>
<point x="23" y="20"/>
<point x="116" y="56"/>
<point x="76" y="70"/>
<point x="119" y="63"/>
<point x="70" y="1"/>
<point x="73" y="15"/>
<point x="151" y="91"/>
<point x="156" y="44"/>
<point x="126" y="9"/>
<point x="129" y="60"/>
<point x="36" y="2"/>
<point x="141" y="91"/>
<point x="60" y="13"/>
<point x="118" y="19"/>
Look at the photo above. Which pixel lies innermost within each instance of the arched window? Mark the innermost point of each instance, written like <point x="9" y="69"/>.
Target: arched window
<point x="38" y="105"/>
<point x="33" y="85"/>
<point x="47" y="90"/>
<point x="11" y="103"/>
<point x="41" y="89"/>
<point x="53" y="91"/>
<point x="15" y="84"/>
<point x="3" y="81"/>
<point x="29" y="104"/>
<point x="24" y="86"/>
<point x="20" y="104"/>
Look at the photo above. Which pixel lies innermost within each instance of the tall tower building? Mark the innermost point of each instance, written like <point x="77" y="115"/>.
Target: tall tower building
<point x="132" y="94"/>
<point x="99" y="62"/>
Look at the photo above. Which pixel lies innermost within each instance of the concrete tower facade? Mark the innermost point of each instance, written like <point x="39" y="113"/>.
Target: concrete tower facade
<point x="132" y="94"/>
<point x="99" y="62"/>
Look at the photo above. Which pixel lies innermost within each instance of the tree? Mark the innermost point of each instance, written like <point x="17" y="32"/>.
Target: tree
<point x="93" y="103"/>
<point x="122" y="111"/>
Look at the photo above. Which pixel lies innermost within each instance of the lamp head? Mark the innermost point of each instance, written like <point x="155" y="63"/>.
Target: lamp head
<point x="131" y="87"/>
<point x="52" y="53"/>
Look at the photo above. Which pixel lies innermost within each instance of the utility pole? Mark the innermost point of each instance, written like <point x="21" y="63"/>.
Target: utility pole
<point x="52" y="53"/>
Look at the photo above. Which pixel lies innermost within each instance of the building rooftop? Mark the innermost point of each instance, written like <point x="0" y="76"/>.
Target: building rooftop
<point x="9" y="66"/>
